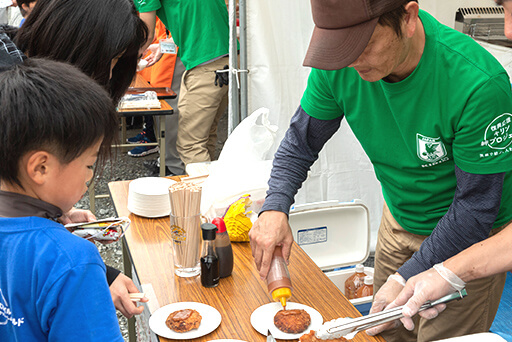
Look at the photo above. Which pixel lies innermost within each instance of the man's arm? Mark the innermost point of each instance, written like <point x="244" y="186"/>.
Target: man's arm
<point x="469" y="220"/>
<point x="149" y="18"/>
<point x="297" y="152"/>
<point x="483" y="259"/>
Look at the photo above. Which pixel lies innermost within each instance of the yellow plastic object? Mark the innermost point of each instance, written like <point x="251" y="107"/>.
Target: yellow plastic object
<point x="237" y="223"/>
<point x="282" y="294"/>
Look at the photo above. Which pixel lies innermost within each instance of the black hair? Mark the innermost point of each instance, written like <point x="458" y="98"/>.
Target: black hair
<point x="394" y="18"/>
<point x="52" y="106"/>
<point x="88" y="34"/>
<point x="26" y="2"/>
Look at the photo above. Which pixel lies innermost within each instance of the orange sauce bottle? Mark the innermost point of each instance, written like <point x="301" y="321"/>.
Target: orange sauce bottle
<point x="354" y="282"/>
<point x="367" y="288"/>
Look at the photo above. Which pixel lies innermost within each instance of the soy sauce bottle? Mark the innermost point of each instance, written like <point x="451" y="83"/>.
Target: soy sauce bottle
<point x="209" y="258"/>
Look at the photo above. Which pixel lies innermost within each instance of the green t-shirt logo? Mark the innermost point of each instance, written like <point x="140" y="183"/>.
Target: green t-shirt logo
<point x="498" y="134"/>
<point x="430" y="149"/>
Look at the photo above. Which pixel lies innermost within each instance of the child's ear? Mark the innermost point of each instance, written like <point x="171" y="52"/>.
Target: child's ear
<point x="39" y="165"/>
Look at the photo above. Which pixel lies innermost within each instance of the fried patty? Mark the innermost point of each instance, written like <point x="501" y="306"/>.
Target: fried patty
<point x="183" y="320"/>
<point x="292" y="321"/>
<point x="310" y="337"/>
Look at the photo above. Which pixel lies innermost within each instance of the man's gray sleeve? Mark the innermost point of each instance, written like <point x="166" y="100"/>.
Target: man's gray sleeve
<point x="297" y="152"/>
<point x="468" y="220"/>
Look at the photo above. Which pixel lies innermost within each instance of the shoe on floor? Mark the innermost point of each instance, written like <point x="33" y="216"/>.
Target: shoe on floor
<point x="141" y="151"/>
<point x="154" y="167"/>
<point x="139" y="138"/>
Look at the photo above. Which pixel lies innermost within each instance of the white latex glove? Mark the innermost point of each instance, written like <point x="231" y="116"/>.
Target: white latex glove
<point x="271" y="229"/>
<point x="427" y="286"/>
<point x="383" y="299"/>
<point x="120" y="290"/>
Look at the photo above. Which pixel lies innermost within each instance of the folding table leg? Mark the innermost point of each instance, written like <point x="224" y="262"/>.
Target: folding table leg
<point x="162" y="145"/>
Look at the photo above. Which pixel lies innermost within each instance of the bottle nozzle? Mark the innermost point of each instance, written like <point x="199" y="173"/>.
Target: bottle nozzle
<point x="283" y="302"/>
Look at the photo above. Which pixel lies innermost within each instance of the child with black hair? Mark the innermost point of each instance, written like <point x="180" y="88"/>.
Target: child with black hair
<point x="55" y="122"/>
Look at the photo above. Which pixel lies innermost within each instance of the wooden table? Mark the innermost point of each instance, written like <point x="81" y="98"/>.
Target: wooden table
<point x="149" y="245"/>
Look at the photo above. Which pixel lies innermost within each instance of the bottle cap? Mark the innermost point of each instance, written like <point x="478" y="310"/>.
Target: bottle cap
<point x="219" y="223"/>
<point x="282" y="294"/>
<point x="209" y="231"/>
<point x="359" y="268"/>
<point x="368" y="280"/>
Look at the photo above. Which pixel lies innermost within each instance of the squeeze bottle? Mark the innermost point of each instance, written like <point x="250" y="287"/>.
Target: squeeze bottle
<point x="278" y="279"/>
<point x="223" y="248"/>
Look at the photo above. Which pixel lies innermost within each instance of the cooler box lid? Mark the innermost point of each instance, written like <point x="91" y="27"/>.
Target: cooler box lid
<point x="334" y="234"/>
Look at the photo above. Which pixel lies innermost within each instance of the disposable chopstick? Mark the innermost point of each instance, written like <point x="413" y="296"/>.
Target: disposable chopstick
<point x="135" y="297"/>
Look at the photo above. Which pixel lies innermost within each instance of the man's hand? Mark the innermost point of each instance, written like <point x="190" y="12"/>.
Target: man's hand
<point x="120" y="290"/>
<point x="383" y="299"/>
<point x="428" y="285"/>
<point x="153" y="54"/>
<point x="271" y="229"/>
<point x="77" y="216"/>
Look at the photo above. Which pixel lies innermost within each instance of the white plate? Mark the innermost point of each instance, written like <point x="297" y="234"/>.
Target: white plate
<point x="227" y="340"/>
<point x="263" y="318"/>
<point x="210" y="320"/>
<point x="149" y="196"/>
<point x="151" y="186"/>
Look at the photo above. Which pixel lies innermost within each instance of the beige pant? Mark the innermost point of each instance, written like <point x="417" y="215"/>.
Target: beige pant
<point x="474" y="314"/>
<point x="201" y="105"/>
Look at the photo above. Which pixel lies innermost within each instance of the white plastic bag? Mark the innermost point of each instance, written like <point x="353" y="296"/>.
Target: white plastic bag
<point x="243" y="167"/>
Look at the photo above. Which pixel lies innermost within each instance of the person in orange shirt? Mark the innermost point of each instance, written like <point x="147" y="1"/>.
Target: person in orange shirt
<point x="166" y="73"/>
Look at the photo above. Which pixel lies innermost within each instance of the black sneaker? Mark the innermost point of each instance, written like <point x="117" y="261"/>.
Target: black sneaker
<point x="154" y="167"/>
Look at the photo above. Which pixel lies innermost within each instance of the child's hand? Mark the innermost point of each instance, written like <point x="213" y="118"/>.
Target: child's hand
<point x="77" y="216"/>
<point x="120" y="290"/>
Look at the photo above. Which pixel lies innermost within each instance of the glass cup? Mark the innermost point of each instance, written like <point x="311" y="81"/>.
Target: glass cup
<point x="186" y="243"/>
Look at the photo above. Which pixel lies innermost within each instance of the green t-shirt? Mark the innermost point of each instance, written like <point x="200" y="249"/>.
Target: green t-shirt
<point x="199" y="28"/>
<point x="453" y="109"/>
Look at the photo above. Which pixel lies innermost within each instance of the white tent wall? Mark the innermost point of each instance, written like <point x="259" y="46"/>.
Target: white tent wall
<point x="278" y="34"/>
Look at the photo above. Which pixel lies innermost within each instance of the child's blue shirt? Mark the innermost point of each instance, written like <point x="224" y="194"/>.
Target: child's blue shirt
<point x="52" y="285"/>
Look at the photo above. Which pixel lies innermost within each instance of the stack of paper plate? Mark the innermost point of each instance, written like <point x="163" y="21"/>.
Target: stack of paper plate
<point x="149" y="196"/>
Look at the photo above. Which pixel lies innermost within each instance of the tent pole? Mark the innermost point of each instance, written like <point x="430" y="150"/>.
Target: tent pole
<point x="242" y="10"/>
<point x="233" y="108"/>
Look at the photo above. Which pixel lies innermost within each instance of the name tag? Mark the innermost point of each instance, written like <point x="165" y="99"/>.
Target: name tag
<point x="167" y="46"/>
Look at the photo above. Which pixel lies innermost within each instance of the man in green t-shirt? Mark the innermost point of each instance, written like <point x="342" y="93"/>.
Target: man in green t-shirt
<point x="431" y="108"/>
<point x="201" y="31"/>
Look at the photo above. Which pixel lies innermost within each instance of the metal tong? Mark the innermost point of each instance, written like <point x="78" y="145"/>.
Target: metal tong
<point x="366" y="322"/>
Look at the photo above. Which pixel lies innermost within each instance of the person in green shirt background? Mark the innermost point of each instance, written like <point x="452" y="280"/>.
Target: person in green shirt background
<point x="201" y="31"/>
<point x="431" y="108"/>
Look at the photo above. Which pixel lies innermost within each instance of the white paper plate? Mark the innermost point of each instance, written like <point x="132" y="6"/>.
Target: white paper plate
<point x="262" y="319"/>
<point x="210" y="320"/>
<point x="151" y="185"/>
<point x="149" y="196"/>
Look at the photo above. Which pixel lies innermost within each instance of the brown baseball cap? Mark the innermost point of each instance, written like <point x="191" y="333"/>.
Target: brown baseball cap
<point x="342" y="30"/>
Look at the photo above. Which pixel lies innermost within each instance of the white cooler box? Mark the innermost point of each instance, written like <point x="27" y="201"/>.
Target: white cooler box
<point x="336" y="236"/>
